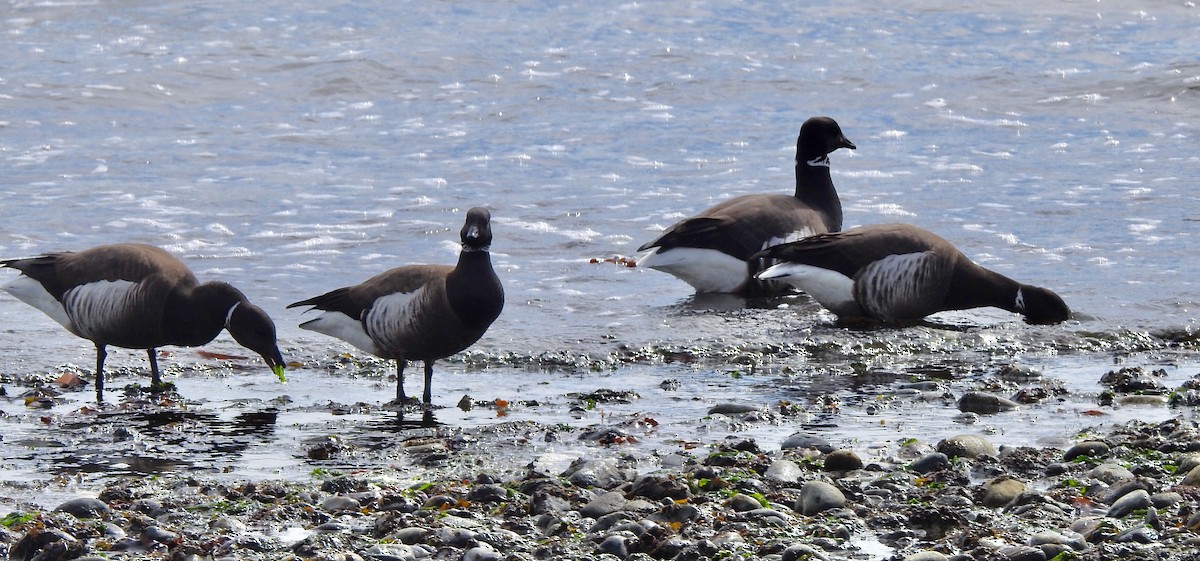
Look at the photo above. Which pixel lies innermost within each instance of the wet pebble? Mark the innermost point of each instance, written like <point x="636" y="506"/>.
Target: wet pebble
<point x="1130" y="502"/>
<point x="1001" y="490"/>
<point x="742" y="503"/>
<point x="340" y="503"/>
<point x="819" y="496"/>
<point x="784" y="471"/>
<point x="985" y="403"/>
<point x="806" y="440"/>
<point x="966" y="446"/>
<point x="84" y="507"/>
<point x="930" y="462"/>
<point x="1088" y="448"/>
<point x="607" y="503"/>
<point x="842" y="460"/>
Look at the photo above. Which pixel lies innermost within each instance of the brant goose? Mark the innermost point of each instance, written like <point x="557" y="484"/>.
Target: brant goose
<point x="139" y="297"/>
<point x="898" y="272"/>
<point x="711" y="250"/>
<point x="418" y="312"/>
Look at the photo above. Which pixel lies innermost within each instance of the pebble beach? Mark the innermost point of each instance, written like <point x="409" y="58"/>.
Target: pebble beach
<point x="1116" y="492"/>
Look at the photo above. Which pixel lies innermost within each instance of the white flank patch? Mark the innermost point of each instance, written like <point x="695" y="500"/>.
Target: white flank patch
<point x="789" y="238"/>
<point x="394" y="317"/>
<point x="342" y="326"/>
<point x="831" y="289"/>
<point x="31" y="292"/>
<point x="895" y="284"/>
<point x="95" y="306"/>
<point x="707" y="270"/>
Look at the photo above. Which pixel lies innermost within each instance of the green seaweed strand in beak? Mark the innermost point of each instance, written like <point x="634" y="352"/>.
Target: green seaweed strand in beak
<point x="278" y="370"/>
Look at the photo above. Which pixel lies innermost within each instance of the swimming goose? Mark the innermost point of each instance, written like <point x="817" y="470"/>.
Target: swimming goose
<point x="710" y="250"/>
<point x="898" y="272"/>
<point x="139" y="297"/>
<point x="418" y="312"/>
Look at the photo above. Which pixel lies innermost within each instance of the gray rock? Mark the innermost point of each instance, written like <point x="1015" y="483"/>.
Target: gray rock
<point x="930" y="462"/>
<point x="802" y="552"/>
<point x="819" y="496"/>
<point x="985" y="403"/>
<point x="1110" y="473"/>
<point x="966" y="446"/>
<point x="1132" y="501"/>
<point x="1192" y="479"/>
<point x="742" y="503"/>
<point x="806" y="440"/>
<point x="1001" y="490"/>
<point x="615" y="545"/>
<point x="1089" y="448"/>
<point x="731" y="409"/>
<point x="481" y="553"/>
<point x="607" y="503"/>
<point x="842" y="460"/>
<point x="411" y="535"/>
<point x="456" y="537"/>
<point x="602" y="473"/>
<point x="1188" y="462"/>
<point x="1022" y="553"/>
<point x="84" y="507"/>
<point x="1068" y="538"/>
<point x="488" y="493"/>
<point x="340" y="503"/>
<point x="1166" y="500"/>
<point x="658" y="487"/>
<point x="926" y="556"/>
<point x="784" y="471"/>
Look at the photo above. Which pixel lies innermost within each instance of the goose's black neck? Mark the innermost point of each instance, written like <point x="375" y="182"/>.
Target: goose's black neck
<point x="195" y="316"/>
<point x="814" y="187"/>
<point x="473" y="289"/>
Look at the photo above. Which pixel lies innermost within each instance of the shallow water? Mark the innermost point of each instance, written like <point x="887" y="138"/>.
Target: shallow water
<point x="290" y="150"/>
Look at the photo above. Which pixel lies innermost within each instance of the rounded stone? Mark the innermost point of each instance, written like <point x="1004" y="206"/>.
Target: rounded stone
<point x="926" y="556"/>
<point x="1088" y="448"/>
<point x="339" y="503"/>
<point x="842" y="460"/>
<point x="607" y="503"/>
<point x="743" y="503"/>
<point x="784" y="471"/>
<point x="966" y="446"/>
<point x="1001" y="490"/>
<point x="1110" y="473"/>
<point x="1130" y="502"/>
<point x="84" y="507"/>
<point x="819" y="496"/>
<point x="1192" y="479"/>
<point x="806" y="440"/>
<point x="930" y="462"/>
<point x="985" y="403"/>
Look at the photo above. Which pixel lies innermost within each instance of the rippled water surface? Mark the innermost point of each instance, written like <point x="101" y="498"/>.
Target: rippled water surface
<point x="290" y="148"/>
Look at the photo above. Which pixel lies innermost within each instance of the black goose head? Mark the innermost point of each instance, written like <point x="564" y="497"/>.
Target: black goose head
<point x="1041" y="306"/>
<point x="818" y="137"/>
<point x="477" y="230"/>
<point x="252" y="328"/>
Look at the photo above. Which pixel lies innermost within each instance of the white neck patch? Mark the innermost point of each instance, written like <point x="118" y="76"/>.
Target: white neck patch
<point x="1020" y="303"/>
<point x="229" y="314"/>
<point x="822" y="161"/>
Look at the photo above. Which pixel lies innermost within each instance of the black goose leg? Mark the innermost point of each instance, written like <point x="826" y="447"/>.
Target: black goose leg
<point x="428" y="396"/>
<point x="400" y="397"/>
<point x="155" y="377"/>
<point x="101" y="354"/>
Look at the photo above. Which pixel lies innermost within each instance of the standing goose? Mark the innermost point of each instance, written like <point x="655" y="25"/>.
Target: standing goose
<point x="418" y="312"/>
<point x="711" y="250"/>
<point x="898" y="272"/>
<point x="139" y="297"/>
